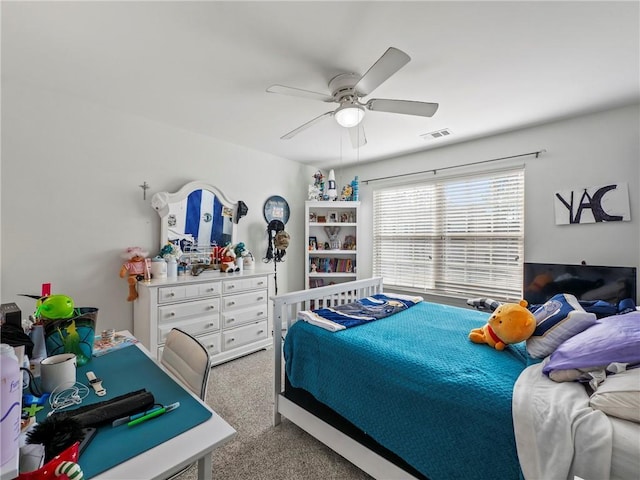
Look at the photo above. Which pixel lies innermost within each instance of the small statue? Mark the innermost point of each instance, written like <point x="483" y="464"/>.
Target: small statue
<point x="332" y="233"/>
<point x="133" y="269"/>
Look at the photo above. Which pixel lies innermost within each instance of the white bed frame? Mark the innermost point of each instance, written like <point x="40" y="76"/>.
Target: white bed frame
<point x="286" y="308"/>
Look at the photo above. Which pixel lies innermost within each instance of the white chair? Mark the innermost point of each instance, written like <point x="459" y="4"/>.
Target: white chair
<point x="187" y="360"/>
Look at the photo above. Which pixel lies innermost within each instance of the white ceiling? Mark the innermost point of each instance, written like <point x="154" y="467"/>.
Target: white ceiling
<point x="204" y="66"/>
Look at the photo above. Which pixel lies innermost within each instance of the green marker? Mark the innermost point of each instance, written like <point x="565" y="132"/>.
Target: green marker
<point x="153" y="414"/>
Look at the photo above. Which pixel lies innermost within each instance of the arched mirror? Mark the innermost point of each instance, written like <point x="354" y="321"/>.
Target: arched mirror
<point x="198" y="216"/>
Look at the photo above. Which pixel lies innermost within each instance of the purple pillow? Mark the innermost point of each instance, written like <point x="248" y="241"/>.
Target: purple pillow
<point x="610" y="339"/>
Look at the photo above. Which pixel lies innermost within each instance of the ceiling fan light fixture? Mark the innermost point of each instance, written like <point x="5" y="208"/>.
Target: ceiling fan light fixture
<point x="349" y="115"/>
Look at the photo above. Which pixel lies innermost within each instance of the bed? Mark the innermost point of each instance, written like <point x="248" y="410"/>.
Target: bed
<point x="407" y="396"/>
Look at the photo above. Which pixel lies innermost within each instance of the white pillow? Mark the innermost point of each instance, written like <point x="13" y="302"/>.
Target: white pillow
<point x="619" y="395"/>
<point x="559" y="319"/>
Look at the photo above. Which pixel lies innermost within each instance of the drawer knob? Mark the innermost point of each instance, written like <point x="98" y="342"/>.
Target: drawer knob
<point x="232" y="339"/>
<point x="172" y="314"/>
<point x="212" y="307"/>
<point x="260" y="331"/>
<point x="260" y="313"/>
<point x="260" y="298"/>
<point x="231" y="320"/>
<point x="172" y="294"/>
<point x="231" y="286"/>
<point x="261" y="283"/>
<point x="210" y="289"/>
<point x="231" y="303"/>
<point x="211" y="324"/>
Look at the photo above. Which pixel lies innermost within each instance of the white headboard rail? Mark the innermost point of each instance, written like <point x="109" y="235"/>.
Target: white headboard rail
<point x="287" y="306"/>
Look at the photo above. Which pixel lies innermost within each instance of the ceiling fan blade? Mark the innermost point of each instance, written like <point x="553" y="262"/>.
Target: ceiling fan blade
<point x="298" y="92"/>
<point x="407" y="107"/>
<point x="358" y="138"/>
<point x="310" y="123"/>
<point x="389" y="63"/>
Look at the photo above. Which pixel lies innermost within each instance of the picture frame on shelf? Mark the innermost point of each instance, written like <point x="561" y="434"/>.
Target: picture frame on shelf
<point x="349" y="242"/>
<point x="313" y="217"/>
<point x="313" y="243"/>
<point x="333" y="217"/>
<point x="344" y="218"/>
<point x="322" y="219"/>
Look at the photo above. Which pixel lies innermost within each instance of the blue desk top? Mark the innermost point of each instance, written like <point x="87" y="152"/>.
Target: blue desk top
<point x="123" y="371"/>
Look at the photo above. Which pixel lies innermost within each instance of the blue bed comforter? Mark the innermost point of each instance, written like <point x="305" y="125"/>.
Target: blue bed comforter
<point x="419" y="387"/>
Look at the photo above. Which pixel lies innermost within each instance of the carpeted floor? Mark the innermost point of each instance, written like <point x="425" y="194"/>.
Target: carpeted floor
<point x="241" y="392"/>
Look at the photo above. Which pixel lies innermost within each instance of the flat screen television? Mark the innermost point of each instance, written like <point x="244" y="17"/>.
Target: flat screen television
<point x="587" y="282"/>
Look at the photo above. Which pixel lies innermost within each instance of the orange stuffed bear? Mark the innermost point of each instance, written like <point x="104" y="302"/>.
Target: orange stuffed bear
<point x="509" y="323"/>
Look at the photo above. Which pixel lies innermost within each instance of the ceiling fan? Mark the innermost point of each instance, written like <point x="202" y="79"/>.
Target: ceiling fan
<point x="347" y="89"/>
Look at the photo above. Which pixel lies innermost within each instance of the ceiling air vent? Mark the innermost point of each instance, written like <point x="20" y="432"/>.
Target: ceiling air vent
<point x="437" y="134"/>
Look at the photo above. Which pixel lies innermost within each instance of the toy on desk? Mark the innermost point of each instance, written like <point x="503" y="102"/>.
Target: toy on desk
<point x="55" y="434"/>
<point x="32" y="404"/>
<point x="134" y="269"/>
<point x="63" y="465"/>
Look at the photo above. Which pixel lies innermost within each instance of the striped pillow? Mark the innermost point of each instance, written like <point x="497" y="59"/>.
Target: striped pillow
<point x="559" y="319"/>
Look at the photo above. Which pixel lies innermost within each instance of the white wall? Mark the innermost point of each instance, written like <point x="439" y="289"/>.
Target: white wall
<point x="71" y="201"/>
<point x="584" y="151"/>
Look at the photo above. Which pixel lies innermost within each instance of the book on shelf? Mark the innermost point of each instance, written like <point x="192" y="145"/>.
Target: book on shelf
<point x="332" y="265"/>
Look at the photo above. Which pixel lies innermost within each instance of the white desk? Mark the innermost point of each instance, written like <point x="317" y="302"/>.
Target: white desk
<point x="173" y="455"/>
<point x="170" y="457"/>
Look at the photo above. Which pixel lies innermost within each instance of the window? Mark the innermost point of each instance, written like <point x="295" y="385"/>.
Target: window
<point x="461" y="236"/>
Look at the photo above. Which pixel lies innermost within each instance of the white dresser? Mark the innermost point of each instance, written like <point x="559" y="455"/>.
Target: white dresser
<point x="228" y="312"/>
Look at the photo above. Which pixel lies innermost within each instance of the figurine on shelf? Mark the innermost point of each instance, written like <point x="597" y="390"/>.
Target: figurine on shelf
<point x="332" y="193"/>
<point x="316" y="190"/>
<point x="355" y="184"/>
<point x="347" y="191"/>
<point x="314" y="268"/>
<point x="332" y="233"/>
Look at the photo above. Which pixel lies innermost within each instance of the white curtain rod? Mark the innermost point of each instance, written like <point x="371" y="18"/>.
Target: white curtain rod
<point x="436" y="170"/>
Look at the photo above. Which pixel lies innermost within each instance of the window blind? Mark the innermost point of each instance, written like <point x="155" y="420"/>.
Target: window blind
<point x="462" y="236"/>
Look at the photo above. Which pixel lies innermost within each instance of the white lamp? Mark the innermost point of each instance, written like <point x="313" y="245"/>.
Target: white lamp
<point x="349" y="115"/>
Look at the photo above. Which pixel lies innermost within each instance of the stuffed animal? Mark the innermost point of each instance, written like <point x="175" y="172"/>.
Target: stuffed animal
<point x="228" y="260"/>
<point x="509" y="323"/>
<point x="133" y="269"/>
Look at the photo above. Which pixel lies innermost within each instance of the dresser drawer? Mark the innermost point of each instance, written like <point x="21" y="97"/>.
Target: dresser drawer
<point x="237" y="337"/>
<point x="177" y="311"/>
<point x="233" y="302"/>
<point x="244" y="315"/>
<point x="211" y="342"/>
<point x="193" y="326"/>
<point x="184" y="292"/>
<point x="241" y="284"/>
